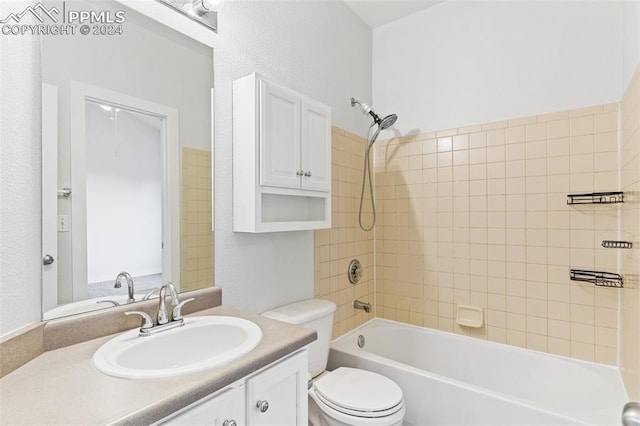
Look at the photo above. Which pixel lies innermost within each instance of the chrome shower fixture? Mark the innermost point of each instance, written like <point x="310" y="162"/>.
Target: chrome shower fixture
<point x="383" y="123"/>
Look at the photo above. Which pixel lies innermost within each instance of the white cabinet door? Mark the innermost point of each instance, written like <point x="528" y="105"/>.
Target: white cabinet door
<point x="316" y="146"/>
<point x="278" y="396"/>
<point x="229" y="407"/>
<point x="279" y="136"/>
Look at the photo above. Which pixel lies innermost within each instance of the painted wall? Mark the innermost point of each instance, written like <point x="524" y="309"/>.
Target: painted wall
<point x="321" y="49"/>
<point x="20" y="236"/>
<point x="630" y="41"/>
<point x="124" y="194"/>
<point x="463" y="63"/>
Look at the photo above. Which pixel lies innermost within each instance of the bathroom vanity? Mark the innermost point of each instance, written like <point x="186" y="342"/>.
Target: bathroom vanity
<point x="62" y="386"/>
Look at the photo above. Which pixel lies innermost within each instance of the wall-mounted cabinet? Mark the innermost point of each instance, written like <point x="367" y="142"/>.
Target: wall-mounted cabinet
<point x="281" y="158"/>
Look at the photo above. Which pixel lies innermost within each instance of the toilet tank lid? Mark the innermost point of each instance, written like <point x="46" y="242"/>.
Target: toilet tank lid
<point x="302" y="312"/>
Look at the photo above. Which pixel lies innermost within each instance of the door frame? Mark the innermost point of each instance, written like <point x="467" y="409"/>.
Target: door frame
<point x="79" y="93"/>
<point x="50" y="195"/>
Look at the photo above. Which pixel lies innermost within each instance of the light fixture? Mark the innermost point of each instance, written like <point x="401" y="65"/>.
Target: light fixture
<point x="202" y="7"/>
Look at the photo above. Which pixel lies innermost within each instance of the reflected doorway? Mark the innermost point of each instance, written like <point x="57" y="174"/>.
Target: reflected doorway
<point x="124" y="198"/>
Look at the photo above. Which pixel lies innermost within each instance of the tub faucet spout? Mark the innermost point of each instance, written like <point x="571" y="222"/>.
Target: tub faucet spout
<point x="357" y="304"/>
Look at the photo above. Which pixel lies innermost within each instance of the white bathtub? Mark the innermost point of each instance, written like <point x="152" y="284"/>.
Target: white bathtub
<point x="457" y="380"/>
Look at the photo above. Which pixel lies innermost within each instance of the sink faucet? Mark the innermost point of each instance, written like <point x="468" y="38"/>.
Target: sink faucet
<point x="175" y="302"/>
<point x="163" y="323"/>
<point x="117" y="284"/>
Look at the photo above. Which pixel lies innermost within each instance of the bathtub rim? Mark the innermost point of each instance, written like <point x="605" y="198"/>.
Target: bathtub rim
<point x="343" y="344"/>
<point x="475" y="340"/>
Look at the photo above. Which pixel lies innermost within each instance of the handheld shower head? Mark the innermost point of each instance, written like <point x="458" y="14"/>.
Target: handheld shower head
<point x="388" y="121"/>
<point x="383" y="123"/>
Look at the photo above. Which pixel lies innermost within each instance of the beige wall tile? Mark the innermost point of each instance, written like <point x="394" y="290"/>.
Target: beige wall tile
<point x="478" y="215"/>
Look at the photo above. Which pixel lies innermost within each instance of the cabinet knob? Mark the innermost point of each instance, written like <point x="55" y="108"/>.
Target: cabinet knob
<point x="300" y="173"/>
<point x="307" y="174"/>
<point x="47" y="259"/>
<point x="230" y="423"/>
<point x="263" y="406"/>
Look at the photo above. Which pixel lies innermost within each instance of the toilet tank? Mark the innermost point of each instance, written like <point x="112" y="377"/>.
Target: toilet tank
<point x="316" y="314"/>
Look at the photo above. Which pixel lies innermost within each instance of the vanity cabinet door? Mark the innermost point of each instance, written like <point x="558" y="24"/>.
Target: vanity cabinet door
<point x="227" y="406"/>
<point x="278" y="395"/>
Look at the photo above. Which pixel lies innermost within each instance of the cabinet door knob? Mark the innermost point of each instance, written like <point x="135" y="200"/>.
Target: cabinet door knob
<point x="263" y="406"/>
<point x="47" y="259"/>
<point x="230" y="423"/>
<point x="300" y="173"/>
<point x="307" y="174"/>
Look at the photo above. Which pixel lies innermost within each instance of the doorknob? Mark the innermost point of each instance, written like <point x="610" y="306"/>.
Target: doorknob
<point x="47" y="259"/>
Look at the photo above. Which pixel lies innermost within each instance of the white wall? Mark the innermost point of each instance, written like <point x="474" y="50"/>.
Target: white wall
<point x="321" y="49"/>
<point x="20" y="236"/>
<point x="124" y="195"/>
<point x="630" y="40"/>
<point x="460" y="63"/>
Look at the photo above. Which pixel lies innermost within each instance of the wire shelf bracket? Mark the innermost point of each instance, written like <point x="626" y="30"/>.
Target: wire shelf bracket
<point x="596" y="198"/>
<point x="599" y="278"/>
<point x="617" y="244"/>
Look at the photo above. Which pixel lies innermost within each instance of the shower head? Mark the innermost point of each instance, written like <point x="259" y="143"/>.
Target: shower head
<point x="388" y="121"/>
<point x="383" y="123"/>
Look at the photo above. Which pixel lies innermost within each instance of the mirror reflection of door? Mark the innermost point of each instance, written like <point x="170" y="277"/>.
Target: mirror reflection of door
<point x="124" y="198"/>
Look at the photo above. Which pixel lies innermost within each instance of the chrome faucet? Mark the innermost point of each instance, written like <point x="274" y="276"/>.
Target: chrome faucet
<point x="117" y="284"/>
<point x="358" y="304"/>
<point x="175" y="302"/>
<point x="163" y="323"/>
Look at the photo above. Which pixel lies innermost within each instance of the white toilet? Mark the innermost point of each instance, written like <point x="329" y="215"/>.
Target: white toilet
<point x="345" y="396"/>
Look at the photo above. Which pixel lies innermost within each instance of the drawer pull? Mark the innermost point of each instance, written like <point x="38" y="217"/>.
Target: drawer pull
<point x="263" y="406"/>
<point x="230" y="423"/>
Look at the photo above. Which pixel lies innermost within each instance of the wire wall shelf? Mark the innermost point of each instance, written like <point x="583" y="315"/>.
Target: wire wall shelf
<point x="599" y="278"/>
<point x="596" y="198"/>
<point x="617" y="244"/>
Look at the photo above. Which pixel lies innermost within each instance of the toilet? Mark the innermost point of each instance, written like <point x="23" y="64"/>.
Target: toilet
<point x="344" y="396"/>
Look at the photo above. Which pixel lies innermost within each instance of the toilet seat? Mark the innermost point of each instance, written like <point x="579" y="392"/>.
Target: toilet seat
<point x="359" y="393"/>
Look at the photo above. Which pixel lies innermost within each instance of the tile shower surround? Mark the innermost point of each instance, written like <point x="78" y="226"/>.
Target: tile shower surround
<point x="478" y="215"/>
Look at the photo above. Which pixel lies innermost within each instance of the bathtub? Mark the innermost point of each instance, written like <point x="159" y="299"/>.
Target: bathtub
<point x="452" y="379"/>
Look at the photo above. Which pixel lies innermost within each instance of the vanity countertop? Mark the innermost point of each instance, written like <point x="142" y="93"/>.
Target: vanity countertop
<point x="63" y="387"/>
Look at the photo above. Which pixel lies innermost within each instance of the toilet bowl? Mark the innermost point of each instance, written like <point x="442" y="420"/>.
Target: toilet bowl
<point x="350" y="396"/>
<point x="345" y="396"/>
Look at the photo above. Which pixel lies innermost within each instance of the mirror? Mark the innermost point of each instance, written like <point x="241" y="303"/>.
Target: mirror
<point x="127" y="161"/>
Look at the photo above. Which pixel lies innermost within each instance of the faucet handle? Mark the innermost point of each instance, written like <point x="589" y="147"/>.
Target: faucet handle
<point x="150" y="293"/>
<point x="113" y="302"/>
<point x="147" y="322"/>
<point x="177" y="310"/>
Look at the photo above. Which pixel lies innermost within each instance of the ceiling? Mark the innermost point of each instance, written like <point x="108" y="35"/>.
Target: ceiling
<point x="380" y="12"/>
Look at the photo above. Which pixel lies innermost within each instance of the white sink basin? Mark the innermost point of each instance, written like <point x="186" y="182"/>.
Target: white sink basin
<point x="203" y="342"/>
